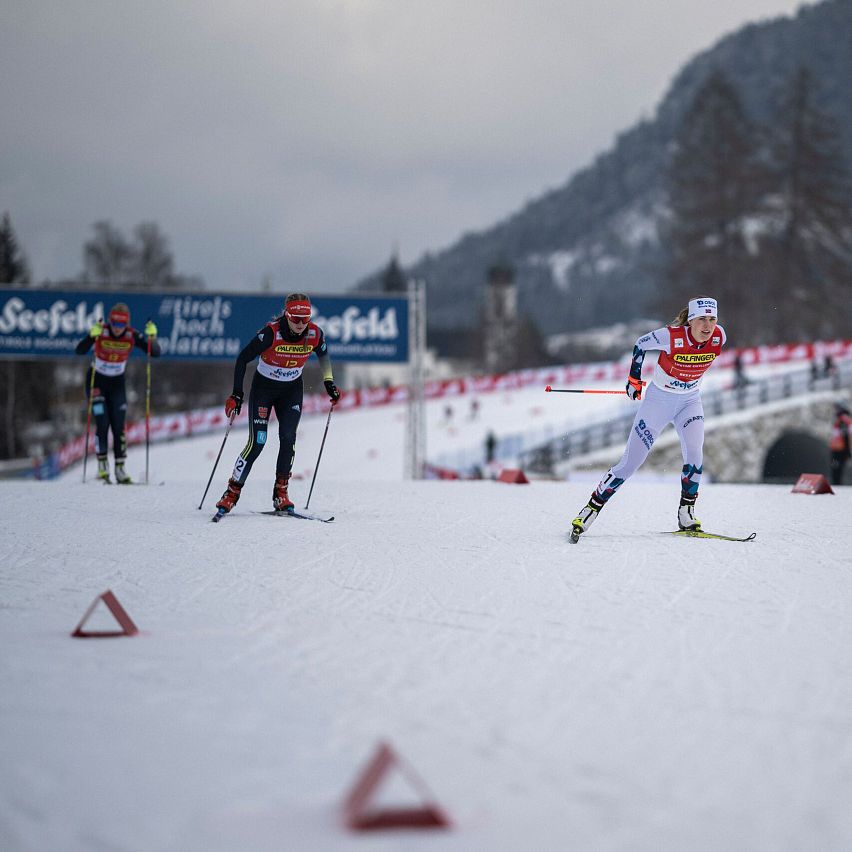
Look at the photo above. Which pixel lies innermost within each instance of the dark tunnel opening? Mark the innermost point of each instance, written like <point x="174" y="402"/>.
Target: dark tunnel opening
<point x="795" y="453"/>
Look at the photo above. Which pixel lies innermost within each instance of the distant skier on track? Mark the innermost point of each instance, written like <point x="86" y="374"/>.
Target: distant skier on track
<point x="687" y="349"/>
<point x="283" y="347"/>
<point x="113" y="345"/>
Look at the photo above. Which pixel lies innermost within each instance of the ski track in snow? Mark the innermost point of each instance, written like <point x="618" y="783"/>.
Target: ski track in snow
<point x="632" y="692"/>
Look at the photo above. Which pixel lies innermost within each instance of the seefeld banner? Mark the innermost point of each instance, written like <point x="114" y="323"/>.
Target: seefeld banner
<point x="198" y="326"/>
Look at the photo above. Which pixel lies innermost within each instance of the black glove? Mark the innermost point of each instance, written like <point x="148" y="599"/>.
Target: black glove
<point x="332" y="391"/>
<point x="234" y="403"/>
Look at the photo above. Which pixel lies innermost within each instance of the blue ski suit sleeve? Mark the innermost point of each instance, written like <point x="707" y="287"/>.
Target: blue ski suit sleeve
<point x="659" y="339"/>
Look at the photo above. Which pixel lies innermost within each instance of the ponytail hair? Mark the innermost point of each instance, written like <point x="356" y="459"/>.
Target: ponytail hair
<point x="680" y="319"/>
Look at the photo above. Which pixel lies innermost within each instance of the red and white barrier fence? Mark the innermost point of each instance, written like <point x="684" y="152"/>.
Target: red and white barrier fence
<point x="168" y="427"/>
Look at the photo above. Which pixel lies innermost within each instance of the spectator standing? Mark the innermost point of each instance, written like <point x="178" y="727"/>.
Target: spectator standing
<point x="841" y="429"/>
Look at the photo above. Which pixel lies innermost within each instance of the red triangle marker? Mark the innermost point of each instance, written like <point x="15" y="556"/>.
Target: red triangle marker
<point x="128" y="628"/>
<point x="513" y="476"/>
<point x="360" y="816"/>
<point x="812" y="483"/>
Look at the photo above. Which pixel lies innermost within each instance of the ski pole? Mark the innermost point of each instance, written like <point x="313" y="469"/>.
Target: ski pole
<point x="88" y="419"/>
<point x="230" y="423"/>
<point x="549" y="389"/>
<point x="148" y="409"/>
<point x="316" y="468"/>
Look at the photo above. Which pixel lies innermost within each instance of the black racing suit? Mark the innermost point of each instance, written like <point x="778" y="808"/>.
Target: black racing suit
<point x="284" y="398"/>
<point x="109" y="396"/>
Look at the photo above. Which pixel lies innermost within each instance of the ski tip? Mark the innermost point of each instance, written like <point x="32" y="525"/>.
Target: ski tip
<point x="548" y="389"/>
<point x="312" y="517"/>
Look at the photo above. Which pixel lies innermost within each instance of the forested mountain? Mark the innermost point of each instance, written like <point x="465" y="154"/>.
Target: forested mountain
<point x="612" y="243"/>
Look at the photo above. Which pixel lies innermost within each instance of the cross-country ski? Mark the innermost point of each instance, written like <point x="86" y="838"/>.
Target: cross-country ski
<point x="706" y="534"/>
<point x="302" y="515"/>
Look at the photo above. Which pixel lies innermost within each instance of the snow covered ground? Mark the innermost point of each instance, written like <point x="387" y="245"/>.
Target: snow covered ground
<point x="633" y="692"/>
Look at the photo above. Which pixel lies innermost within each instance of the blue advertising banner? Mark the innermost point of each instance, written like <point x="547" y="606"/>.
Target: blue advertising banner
<point x="198" y="326"/>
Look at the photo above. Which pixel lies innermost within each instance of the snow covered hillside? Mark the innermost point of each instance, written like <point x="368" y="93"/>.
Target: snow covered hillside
<point x="635" y="691"/>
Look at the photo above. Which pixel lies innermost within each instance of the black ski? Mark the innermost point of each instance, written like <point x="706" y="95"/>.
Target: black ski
<point x="220" y="513"/>
<point x="288" y="513"/>
<point x="703" y="534"/>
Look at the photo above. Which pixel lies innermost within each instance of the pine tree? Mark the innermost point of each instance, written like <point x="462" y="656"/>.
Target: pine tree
<point x="13" y="265"/>
<point x="27" y="386"/>
<point x="810" y="247"/>
<point x="715" y="181"/>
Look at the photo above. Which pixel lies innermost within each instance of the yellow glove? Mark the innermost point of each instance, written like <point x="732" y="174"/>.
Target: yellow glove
<point x="150" y="329"/>
<point x="96" y="330"/>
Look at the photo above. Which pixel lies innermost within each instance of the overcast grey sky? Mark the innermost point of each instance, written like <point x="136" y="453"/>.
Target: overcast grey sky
<point x="303" y="139"/>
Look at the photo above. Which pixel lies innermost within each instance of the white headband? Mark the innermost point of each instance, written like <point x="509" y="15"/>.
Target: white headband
<point x="702" y="308"/>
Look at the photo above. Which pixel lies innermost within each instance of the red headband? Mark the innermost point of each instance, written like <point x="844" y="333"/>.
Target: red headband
<point x="298" y="309"/>
<point x="119" y="317"/>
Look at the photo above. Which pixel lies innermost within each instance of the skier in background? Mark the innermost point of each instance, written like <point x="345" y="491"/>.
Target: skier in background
<point x="687" y="349"/>
<point x="113" y="344"/>
<point x="841" y="430"/>
<point x="283" y="347"/>
<point x="490" y="447"/>
<point x="829" y="368"/>
<point x="740" y="378"/>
